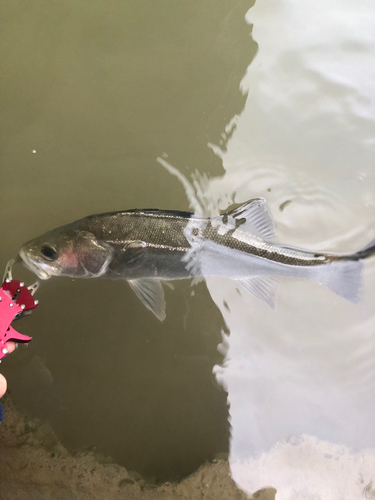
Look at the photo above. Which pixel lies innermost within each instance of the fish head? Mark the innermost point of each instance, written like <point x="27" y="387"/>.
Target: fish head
<point x="66" y="251"/>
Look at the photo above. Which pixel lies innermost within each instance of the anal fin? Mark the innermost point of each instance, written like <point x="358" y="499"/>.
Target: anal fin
<point x="264" y="288"/>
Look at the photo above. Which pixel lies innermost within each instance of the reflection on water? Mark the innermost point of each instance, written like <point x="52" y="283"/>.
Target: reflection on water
<point x="300" y="380"/>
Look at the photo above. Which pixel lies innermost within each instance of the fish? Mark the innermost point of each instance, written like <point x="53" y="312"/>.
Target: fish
<point x="149" y="247"/>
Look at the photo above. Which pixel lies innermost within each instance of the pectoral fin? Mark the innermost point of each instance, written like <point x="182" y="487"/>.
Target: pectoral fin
<point x="151" y="293"/>
<point x="263" y="287"/>
<point x="95" y="255"/>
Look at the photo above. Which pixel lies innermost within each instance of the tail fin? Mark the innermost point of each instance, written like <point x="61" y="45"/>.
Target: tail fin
<point x="366" y="251"/>
<point x="344" y="277"/>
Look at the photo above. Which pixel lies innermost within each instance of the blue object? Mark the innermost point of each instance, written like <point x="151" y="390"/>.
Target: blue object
<point x="1" y="412"/>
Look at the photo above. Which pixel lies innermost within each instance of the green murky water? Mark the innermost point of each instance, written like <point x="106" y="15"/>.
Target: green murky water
<point x="92" y="93"/>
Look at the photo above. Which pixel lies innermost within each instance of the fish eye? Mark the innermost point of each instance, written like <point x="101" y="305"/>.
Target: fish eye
<point x="48" y="252"/>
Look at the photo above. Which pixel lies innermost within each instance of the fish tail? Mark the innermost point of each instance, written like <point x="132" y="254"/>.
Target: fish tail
<point x="366" y="251"/>
<point x="343" y="277"/>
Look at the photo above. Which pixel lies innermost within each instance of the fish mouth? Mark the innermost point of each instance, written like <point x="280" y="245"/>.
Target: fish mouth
<point x="41" y="273"/>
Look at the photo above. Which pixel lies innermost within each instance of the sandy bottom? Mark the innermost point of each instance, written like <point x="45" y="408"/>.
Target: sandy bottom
<point x="35" y="465"/>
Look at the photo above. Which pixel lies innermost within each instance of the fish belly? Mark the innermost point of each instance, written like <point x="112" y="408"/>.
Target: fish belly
<point x="151" y="264"/>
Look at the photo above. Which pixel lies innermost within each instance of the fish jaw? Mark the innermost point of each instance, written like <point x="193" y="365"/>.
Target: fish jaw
<point x="36" y="268"/>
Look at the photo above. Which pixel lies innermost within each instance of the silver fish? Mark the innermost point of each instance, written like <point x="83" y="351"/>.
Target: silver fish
<point x="146" y="247"/>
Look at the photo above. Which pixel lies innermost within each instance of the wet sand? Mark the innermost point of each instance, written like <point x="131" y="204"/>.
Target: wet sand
<point x="35" y="465"/>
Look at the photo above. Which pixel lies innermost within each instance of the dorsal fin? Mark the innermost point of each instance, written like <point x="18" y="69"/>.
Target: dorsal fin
<point x="255" y="218"/>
